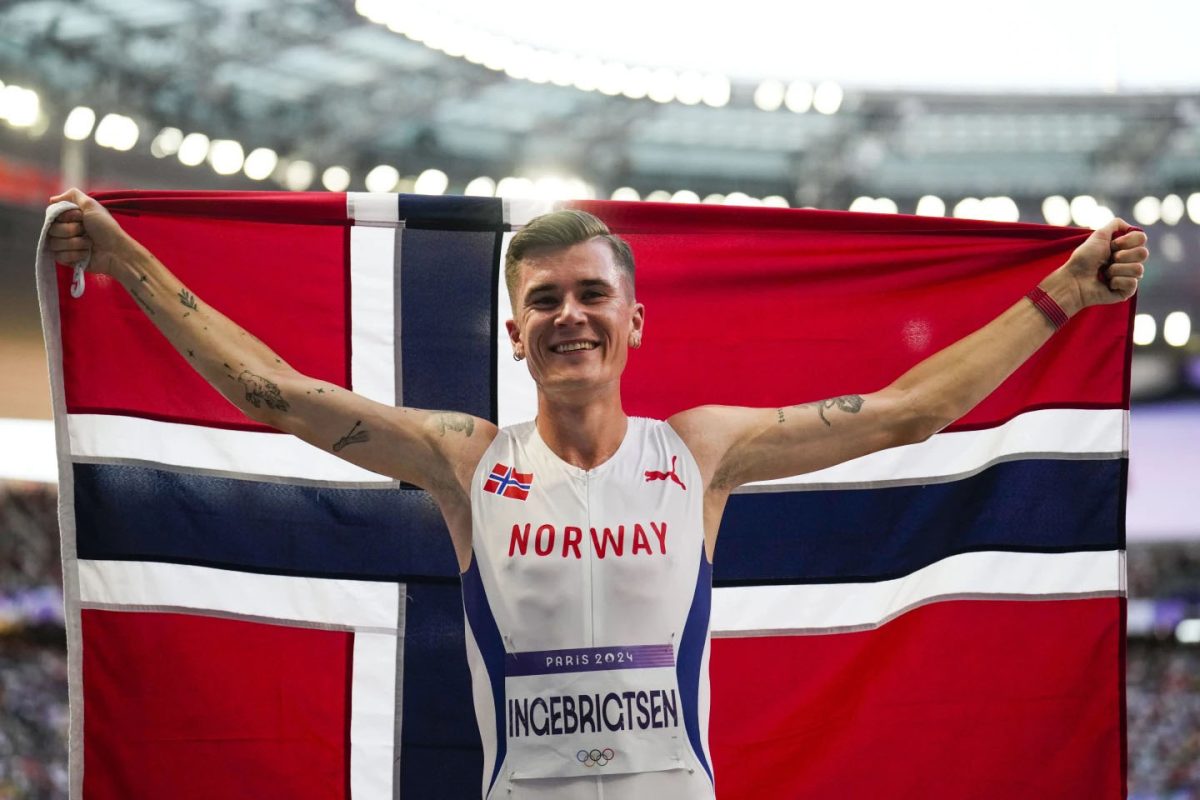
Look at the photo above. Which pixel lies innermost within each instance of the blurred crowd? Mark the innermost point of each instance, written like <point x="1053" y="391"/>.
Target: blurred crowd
<point x="1163" y="685"/>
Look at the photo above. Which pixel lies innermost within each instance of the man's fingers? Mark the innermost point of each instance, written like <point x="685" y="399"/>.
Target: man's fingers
<point x="1123" y="286"/>
<point x="1131" y="239"/>
<point x="72" y="243"/>
<point x="70" y="215"/>
<point x="1134" y="255"/>
<point x="65" y="230"/>
<point x="73" y="195"/>
<point x="71" y="257"/>
<point x="1126" y="271"/>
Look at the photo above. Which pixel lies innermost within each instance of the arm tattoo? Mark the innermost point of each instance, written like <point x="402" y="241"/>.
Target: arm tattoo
<point x="850" y="403"/>
<point x="259" y="390"/>
<point x="454" y="421"/>
<point x="353" y="437"/>
<point x="188" y="299"/>
<point x="779" y="411"/>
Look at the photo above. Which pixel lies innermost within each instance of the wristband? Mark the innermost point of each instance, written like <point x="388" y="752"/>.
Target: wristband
<point x="1045" y="303"/>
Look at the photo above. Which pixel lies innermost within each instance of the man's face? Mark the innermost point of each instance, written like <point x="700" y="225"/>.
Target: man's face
<point x="574" y="314"/>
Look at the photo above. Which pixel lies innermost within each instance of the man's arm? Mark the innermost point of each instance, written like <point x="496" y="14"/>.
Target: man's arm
<point x="435" y="450"/>
<point x="742" y="445"/>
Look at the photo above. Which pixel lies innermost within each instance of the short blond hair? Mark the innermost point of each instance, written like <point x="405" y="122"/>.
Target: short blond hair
<point x="559" y="230"/>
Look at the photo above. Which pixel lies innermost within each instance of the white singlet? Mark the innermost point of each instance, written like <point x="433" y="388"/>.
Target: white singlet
<point x="587" y="607"/>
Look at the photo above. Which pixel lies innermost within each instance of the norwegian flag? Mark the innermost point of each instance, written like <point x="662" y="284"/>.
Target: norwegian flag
<point x="940" y="611"/>
<point x="507" y="482"/>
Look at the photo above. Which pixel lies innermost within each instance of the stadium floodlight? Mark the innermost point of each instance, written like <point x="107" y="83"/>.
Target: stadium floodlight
<point x="79" y="123"/>
<point x="483" y="186"/>
<point x="1172" y="209"/>
<point x="226" y="156"/>
<point x="1147" y="211"/>
<point x="931" y="206"/>
<point x="1056" y="209"/>
<point x="611" y="79"/>
<point x="685" y="196"/>
<point x="335" y="179"/>
<point x="1177" y="328"/>
<point x="715" y="199"/>
<point x="827" y="98"/>
<point x="637" y="83"/>
<point x="1082" y="207"/>
<point x="1193" y="207"/>
<point x="166" y="143"/>
<point x="717" y="91"/>
<point x="382" y="178"/>
<point x="431" y="181"/>
<point x="193" y="149"/>
<point x="689" y="88"/>
<point x="768" y="95"/>
<point x="799" y="96"/>
<point x="659" y="196"/>
<point x="1144" y="329"/>
<point x="586" y="76"/>
<point x="662" y="86"/>
<point x="627" y="193"/>
<point x="776" y="201"/>
<point x="299" y="175"/>
<point x="260" y="164"/>
<point x="19" y="106"/>
<point x="741" y="199"/>
<point x="514" y="187"/>
<point x="1188" y="631"/>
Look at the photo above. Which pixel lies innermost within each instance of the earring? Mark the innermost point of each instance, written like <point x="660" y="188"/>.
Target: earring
<point x="518" y="357"/>
<point x="635" y="342"/>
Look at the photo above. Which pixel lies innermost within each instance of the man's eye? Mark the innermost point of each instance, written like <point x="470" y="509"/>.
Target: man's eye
<point x="592" y="294"/>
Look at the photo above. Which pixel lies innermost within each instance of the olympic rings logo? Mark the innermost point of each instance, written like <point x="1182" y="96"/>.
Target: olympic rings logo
<point x="595" y="758"/>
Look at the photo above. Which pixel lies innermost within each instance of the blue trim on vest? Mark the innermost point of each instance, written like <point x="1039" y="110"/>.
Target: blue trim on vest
<point x="691" y="658"/>
<point x="487" y="638"/>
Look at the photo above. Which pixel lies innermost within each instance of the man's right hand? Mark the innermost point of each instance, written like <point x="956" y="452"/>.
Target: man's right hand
<point x="74" y="235"/>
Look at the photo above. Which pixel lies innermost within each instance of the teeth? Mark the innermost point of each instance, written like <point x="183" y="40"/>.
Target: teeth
<point x="567" y="348"/>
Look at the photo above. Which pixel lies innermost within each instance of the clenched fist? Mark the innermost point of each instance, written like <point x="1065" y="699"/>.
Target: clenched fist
<point x="91" y="230"/>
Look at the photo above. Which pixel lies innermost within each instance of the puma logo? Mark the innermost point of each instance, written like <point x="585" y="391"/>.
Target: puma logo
<point x="656" y="475"/>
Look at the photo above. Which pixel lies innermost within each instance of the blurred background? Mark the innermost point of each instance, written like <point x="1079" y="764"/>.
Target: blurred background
<point x="1060" y="113"/>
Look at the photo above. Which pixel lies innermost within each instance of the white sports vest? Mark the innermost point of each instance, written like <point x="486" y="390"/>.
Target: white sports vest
<point x="587" y="608"/>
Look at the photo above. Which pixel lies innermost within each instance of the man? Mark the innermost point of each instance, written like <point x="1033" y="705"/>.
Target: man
<point x="585" y="538"/>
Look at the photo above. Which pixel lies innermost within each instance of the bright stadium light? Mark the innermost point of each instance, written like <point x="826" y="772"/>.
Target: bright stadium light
<point x="611" y="79"/>
<point x="1193" y="207"/>
<point x="117" y="132"/>
<point x="637" y="83"/>
<point x="1147" y="211"/>
<point x="1188" y="631"/>
<point x="335" y="179"/>
<point x="1056" y="210"/>
<point x="689" y="88"/>
<point x="717" y="91"/>
<point x="799" y="96"/>
<point x="1172" y="209"/>
<point x="431" y="181"/>
<point x="226" y="156"/>
<point x="662" y="86"/>
<point x="741" y="199"/>
<point x="659" y="196"/>
<point x="514" y="187"/>
<point x="768" y="96"/>
<point x="716" y="199"/>
<point x="260" y="164"/>
<point x="166" y="143"/>
<point x="1177" y="328"/>
<point x="382" y="178"/>
<point x="827" y="99"/>
<point x="862" y="204"/>
<point x="776" y="201"/>
<point x="483" y="186"/>
<point x="627" y="193"/>
<point x="193" y="149"/>
<point x="931" y="206"/>
<point x="298" y="176"/>
<point x="1082" y="207"/>
<point x="685" y="196"/>
<point x="19" y="106"/>
<point x="1144" y="329"/>
<point x="79" y="123"/>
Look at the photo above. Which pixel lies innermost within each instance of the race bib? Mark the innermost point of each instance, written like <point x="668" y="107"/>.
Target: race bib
<point x="593" y="710"/>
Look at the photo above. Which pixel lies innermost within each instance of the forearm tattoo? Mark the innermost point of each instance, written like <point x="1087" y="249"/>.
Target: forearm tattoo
<point x="143" y="303"/>
<point x="259" y="390"/>
<point x="850" y="403"/>
<point x="355" y="436"/>
<point x="455" y="421"/>
<point x="188" y="299"/>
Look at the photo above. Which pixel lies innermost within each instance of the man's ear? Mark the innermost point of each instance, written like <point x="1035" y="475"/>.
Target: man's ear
<point x="514" y="338"/>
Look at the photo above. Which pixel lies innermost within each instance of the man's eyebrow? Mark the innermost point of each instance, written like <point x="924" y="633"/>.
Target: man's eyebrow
<point x="587" y="283"/>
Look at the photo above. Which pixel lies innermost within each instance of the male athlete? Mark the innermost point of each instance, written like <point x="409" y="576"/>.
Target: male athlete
<point x="568" y="528"/>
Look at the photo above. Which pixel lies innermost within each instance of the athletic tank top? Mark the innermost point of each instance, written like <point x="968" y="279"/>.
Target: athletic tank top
<point x="587" y="608"/>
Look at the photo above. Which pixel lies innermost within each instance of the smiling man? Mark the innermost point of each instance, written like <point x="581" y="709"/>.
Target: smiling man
<point x="585" y="537"/>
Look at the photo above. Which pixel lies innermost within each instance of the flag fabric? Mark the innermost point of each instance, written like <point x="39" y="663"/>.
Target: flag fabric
<point x="248" y="616"/>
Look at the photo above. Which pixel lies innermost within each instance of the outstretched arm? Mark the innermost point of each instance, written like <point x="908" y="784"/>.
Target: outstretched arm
<point x="435" y="450"/>
<point x="741" y="445"/>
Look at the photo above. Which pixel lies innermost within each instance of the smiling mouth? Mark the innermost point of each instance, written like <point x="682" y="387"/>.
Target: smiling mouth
<point x="571" y="347"/>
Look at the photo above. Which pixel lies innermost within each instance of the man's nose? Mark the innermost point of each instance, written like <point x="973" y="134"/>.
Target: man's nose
<point x="571" y="312"/>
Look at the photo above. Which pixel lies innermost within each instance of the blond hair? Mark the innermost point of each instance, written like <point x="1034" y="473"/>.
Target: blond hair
<point x="559" y="230"/>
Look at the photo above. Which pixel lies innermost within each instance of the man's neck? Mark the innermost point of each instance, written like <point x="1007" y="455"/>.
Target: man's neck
<point x="584" y="433"/>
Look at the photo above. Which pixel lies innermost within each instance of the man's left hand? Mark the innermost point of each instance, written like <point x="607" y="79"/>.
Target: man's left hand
<point x="1107" y="267"/>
